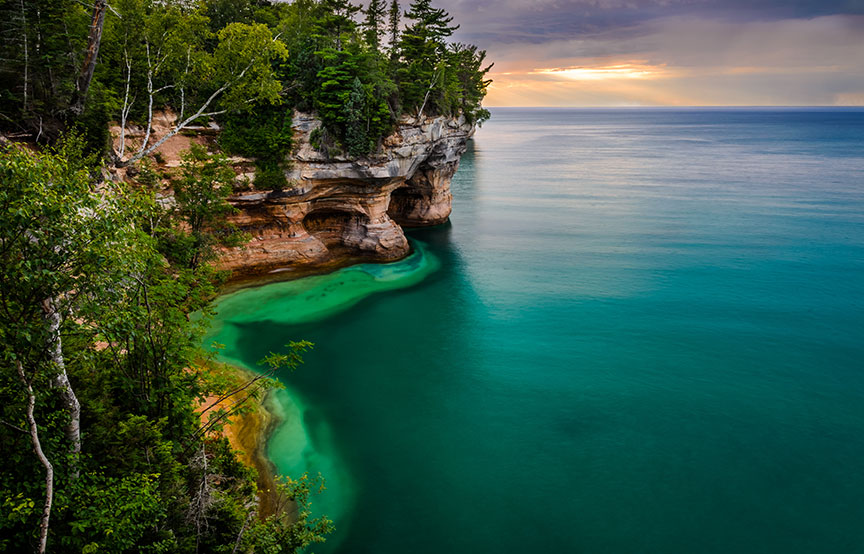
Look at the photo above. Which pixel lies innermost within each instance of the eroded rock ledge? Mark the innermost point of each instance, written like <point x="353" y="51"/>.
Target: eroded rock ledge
<point x="341" y="208"/>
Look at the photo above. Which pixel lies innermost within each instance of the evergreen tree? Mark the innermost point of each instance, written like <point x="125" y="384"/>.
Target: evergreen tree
<point x="395" y="17"/>
<point x="201" y="204"/>
<point x="422" y="48"/>
<point x="430" y="23"/>
<point x="374" y="23"/>
<point x="85" y="289"/>
<point x="337" y="21"/>
<point x="102" y="368"/>
<point x="40" y="41"/>
<point x="356" y="139"/>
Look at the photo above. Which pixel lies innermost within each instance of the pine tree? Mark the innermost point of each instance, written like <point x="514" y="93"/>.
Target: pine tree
<point x="430" y="23"/>
<point x="374" y="22"/>
<point x="356" y="139"/>
<point x="395" y="18"/>
<point x="423" y="48"/>
<point x="338" y="20"/>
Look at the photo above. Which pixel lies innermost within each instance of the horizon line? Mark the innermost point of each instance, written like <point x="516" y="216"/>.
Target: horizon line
<point x="709" y="106"/>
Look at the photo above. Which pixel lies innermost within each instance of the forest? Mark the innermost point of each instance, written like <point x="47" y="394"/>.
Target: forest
<point x="111" y="410"/>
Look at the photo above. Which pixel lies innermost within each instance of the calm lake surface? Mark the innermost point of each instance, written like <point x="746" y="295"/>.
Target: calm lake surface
<point x="642" y="331"/>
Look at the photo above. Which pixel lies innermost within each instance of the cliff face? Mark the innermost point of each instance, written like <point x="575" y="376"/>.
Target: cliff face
<point x="341" y="208"/>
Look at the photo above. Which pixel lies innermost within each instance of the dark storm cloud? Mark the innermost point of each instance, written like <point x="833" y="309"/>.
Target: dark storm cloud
<point x="542" y="20"/>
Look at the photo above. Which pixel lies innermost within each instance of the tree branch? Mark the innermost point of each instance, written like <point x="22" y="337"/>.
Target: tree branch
<point x="13" y="427"/>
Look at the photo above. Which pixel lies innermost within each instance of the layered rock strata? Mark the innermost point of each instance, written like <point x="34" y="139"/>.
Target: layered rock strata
<point x="341" y="208"/>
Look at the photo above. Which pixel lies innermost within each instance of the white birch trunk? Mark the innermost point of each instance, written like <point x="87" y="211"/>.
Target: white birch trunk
<point x="61" y="381"/>
<point x="37" y="448"/>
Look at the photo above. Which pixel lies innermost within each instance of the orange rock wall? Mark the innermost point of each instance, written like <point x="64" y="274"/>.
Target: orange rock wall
<point x="342" y="208"/>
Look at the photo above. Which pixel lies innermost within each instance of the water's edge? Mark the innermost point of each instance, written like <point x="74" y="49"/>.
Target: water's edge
<point x="645" y="335"/>
<point x="279" y="419"/>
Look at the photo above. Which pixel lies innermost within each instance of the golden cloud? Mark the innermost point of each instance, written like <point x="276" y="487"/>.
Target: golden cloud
<point x="608" y="72"/>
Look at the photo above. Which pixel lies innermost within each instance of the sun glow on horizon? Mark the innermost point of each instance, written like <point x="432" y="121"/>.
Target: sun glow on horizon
<point x="583" y="73"/>
<point x="687" y="61"/>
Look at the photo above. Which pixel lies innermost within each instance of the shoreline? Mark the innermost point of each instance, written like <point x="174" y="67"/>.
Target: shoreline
<point x="239" y="281"/>
<point x="251" y="434"/>
<point x="248" y="434"/>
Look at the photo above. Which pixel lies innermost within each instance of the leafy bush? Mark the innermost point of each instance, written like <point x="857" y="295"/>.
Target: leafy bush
<point x="263" y="132"/>
<point x="270" y="177"/>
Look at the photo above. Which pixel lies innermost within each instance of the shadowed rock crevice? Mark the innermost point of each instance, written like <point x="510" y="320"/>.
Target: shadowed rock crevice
<point x="332" y="227"/>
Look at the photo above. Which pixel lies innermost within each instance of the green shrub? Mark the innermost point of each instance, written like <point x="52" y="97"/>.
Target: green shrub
<point x="270" y="177"/>
<point x="263" y="133"/>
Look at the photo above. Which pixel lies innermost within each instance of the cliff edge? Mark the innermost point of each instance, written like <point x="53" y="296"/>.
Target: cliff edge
<point x="341" y="208"/>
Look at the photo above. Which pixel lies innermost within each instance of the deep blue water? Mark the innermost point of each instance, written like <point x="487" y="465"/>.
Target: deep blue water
<point x="642" y="331"/>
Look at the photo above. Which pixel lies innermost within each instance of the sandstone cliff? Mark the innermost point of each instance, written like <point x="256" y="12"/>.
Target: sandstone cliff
<point x="340" y="208"/>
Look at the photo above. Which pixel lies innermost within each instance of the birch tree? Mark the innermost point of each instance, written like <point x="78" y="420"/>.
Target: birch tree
<point x="55" y="234"/>
<point x="167" y="61"/>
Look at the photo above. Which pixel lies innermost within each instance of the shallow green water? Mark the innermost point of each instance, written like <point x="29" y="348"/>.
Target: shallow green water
<point x="303" y="443"/>
<point x="643" y="332"/>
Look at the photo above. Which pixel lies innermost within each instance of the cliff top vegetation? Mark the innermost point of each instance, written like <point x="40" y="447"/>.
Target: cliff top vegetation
<point x="248" y="63"/>
<point x="109" y="440"/>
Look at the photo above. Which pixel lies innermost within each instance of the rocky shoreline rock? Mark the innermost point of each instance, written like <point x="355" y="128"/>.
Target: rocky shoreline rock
<point x="342" y="208"/>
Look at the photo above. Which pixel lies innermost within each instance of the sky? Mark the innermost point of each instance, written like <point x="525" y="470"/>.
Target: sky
<point x="668" y="52"/>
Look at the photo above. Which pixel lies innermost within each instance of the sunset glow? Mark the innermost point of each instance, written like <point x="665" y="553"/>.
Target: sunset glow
<point x="667" y="53"/>
<point x="601" y="73"/>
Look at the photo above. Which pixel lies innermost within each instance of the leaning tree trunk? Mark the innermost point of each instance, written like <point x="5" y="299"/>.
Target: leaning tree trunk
<point x="89" y="66"/>
<point x="37" y="448"/>
<point x="61" y="381"/>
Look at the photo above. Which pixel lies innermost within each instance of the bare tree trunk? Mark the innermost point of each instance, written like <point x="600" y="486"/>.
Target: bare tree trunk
<point x="26" y="54"/>
<point x="61" y="381"/>
<point x="179" y="126"/>
<point x="89" y="65"/>
<point x="183" y="87"/>
<point x="181" y="123"/>
<point x="150" y="95"/>
<point x="127" y="106"/>
<point x="37" y="448"/>
<point x="428" y="92"/>
<point x="203" y="500"/>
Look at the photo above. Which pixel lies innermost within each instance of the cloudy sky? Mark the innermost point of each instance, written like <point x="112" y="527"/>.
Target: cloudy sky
<point x="668" y="52"/>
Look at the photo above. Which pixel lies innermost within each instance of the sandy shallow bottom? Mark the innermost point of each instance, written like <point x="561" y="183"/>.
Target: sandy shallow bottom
<point x="285" y="435"/>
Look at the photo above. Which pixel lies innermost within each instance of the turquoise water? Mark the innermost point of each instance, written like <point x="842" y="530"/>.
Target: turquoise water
<point x="643" y="331"/>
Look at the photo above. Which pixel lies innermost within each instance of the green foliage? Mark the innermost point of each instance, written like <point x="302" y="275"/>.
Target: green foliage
<point x="116" y="514"/>
<point x="290" y="360"/>
<point x="243" y="59"/>
<point x="56" y="233"/>
<point x="152" y="477"/>
<point x="434" y="77"/>
<point x="394" y="17"/>
<point x="270" y="176"/>
<point x="250" y="60"/>
<point x="147" y="175"/>
<point x="263" y="133"/>
<point x="278" y="533"/>
<point x="128" y="269"/>
<point x="373" y="24"/>
<point x="201" y="204"/>
<point x="37" y="78"/>
<point x="353" y="109"/>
